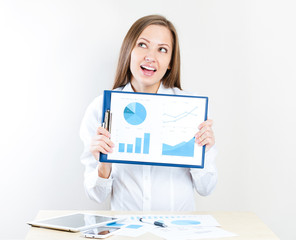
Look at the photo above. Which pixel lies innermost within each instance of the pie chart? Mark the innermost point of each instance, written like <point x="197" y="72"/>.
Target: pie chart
<point x="134" y="113"/>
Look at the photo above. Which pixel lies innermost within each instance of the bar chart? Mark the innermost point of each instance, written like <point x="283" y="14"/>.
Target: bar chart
<point x="137" y="146"/>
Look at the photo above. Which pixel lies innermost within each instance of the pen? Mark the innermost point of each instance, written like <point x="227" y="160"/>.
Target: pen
<point x="156" y="223"/>
<point x="107" y="121"/>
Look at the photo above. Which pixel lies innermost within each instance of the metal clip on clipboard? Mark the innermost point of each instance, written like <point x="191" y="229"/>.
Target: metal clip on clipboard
<point x="107" y="121"/>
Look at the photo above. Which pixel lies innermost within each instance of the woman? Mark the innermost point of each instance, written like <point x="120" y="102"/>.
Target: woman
<point x="149" y="62"/>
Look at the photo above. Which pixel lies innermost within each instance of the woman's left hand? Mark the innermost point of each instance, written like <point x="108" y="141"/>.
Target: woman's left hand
<point x="205" y="135"/>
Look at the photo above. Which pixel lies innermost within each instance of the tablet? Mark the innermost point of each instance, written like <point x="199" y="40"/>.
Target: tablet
<point x="74" y="222"/>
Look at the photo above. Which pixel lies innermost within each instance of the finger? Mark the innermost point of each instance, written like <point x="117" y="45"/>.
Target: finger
<point x="101" y="148"/>
<point x="105" y="148"/>
<point x="203" y="137"/>
<point x="199" y="137"/>
<point x="208" y="122"/>
<point x="203" y="130"/>
<point x="103" y="131"/>
<point x="102" y="144"/>
<point x="96" y="150"/>
<point x="101" y="138"/>
<point x="207" y="142"/>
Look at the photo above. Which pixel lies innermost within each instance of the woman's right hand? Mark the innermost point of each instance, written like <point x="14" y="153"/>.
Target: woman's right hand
<point x="101" y="143"/>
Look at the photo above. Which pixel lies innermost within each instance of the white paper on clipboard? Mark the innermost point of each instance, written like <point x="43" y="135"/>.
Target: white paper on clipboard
<point x="155" y="129"/>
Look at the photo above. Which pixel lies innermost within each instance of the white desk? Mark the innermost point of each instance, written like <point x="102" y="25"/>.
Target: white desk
<point x="246" y="224"/>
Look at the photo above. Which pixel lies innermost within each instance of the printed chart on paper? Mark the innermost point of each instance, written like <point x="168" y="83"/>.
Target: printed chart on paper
<point x="156" y="128"/>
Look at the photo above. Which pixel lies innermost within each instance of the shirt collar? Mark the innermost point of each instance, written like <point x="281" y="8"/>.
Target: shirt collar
<point x="162" y="89"/>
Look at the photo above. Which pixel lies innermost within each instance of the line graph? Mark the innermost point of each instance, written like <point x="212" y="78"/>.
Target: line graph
<point x="179" y="116"/>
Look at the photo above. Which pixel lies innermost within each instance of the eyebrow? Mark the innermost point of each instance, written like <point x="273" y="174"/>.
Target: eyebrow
<point x="161" y="44"/>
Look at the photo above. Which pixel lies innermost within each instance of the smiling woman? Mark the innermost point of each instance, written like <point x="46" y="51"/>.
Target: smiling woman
<point x="159" y="32"/>
<point x="149" y="62"/>
<point x="150" y="58"/>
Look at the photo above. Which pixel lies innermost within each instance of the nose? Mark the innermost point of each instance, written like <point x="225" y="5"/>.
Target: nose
<point x="150" y="57"/>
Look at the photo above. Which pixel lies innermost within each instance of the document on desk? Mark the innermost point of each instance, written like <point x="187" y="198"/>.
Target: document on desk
<point x="131" y="228"/>
<point x="178" y="227"/>
<point x="176" y="220"/>
<point x="192" y="233"/>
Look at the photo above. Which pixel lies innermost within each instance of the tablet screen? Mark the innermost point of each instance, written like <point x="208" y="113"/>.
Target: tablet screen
<point x="74" y="221"/>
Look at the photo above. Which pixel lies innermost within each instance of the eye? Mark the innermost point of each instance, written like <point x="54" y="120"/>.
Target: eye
<point x="142" y="45"/>
<point x="164" y="50"/>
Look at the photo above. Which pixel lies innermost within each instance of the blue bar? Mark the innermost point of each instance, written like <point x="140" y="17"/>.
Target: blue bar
<point x="138" y="145"/>
<point x="129" y="148"/>
<point x="121" y="147"/>
<point x="146" y="143"/>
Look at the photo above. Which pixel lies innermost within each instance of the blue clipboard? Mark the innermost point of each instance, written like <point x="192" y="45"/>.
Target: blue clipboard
<point x="154" y="129"/>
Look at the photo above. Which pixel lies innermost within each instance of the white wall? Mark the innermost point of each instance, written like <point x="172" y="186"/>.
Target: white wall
<point x="56" y="56"/>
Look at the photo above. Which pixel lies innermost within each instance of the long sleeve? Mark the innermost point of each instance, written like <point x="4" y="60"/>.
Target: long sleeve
<point x="205" y="179"/>
<point x="95" y="187"/>
<point x="136" y="187"/>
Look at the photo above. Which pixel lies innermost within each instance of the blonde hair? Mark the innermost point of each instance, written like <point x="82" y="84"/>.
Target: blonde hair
<point x="123" y="73"/>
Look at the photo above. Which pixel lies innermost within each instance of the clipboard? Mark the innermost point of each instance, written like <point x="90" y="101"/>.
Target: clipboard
<point x="154" y="129"/>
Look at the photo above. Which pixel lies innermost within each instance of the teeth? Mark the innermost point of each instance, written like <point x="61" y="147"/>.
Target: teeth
<point x="148" y="68"/>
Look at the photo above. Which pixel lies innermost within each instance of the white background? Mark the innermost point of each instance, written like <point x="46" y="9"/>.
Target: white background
<point x="57" y="56"/>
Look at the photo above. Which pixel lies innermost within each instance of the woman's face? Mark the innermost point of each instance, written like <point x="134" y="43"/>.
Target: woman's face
<point x="151" y="58"/>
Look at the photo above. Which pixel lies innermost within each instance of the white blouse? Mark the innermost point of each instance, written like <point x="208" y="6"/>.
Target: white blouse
<point x="142" y="187"/>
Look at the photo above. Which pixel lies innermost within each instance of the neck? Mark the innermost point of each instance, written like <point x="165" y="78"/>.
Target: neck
<point x="145" y="89"/>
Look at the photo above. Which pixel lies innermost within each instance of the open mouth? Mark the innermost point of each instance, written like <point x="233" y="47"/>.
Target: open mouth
<point x="147" y="68"/>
